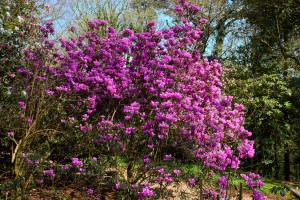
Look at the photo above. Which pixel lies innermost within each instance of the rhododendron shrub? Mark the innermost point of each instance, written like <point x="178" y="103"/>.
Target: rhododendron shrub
<point x="130" y="94"/>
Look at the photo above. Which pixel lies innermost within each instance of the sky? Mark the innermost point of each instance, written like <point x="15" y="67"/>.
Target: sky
<point x="64" y="16"/>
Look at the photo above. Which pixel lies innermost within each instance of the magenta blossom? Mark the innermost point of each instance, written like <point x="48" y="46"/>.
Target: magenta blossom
<point x="258" y="195"/>
<point x="146" y="192"/>
<point x="50" y="172"/>
<point x="76" y="162"/>
<point x="118" y="186"/>
<point x="222" y="181"/>
<point x="168" y="157"/>
<point x="192" y="181"/>
<point x="90" y="191"/>
<point x="252" y="180"/>
<point x="177" y="172"/>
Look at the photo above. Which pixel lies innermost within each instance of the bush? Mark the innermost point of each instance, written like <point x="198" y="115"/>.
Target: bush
<point x="108" y="95"/>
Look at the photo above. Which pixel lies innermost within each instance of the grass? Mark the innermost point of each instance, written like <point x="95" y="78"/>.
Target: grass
<point x="190" y="168"/>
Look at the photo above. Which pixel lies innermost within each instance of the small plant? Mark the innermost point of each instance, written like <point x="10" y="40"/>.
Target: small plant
<point x="278" y="189"/>
<point x="283" y="190"/>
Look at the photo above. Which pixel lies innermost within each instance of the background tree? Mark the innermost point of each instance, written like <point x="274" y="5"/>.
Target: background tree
<point x="271" y="50"/>
<point x="121" y="14"/>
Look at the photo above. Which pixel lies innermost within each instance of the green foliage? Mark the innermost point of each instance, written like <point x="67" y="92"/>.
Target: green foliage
<point x="266" y="82"/>
<point x="267" y="100"/>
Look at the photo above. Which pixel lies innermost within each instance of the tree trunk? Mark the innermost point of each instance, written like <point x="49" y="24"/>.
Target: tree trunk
<point x="220" y="38"/>
<point x="277" y="167"/>
<point x="287" y="163"/>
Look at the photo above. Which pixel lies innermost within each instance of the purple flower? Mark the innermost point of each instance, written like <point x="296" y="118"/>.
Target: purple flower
<point x="187" y="54"/>
<point x="50" y="172"/>
<point x="146" y="159"/>
<point x="195" y="8"/>
<point x="122" y="147"/>
<point x="167" y="104"/>
<point x="29" y="120"/>
<point x="168" y="179"/>
<point x="192" y="181"/>
<point x="51" y="93"/>
<point x="48" y="23"/>
<point x="177" y="171"/>
<point x="154" y="103"/>
<point x="94" y="159"/>
<point x="129" y="130"/>
<point x="128" y="33"/>
<point x="30" y="162"/>
<point x="118" y="186"/>
<point x="252" y="180"/>
<point x="22" y="104"/>
<point x="150" y="25"/>
<point x="246" y="149"/>
<point x="67" y="167"/>
<point x="73" y="29"/>
<point x="11" y="134"/>
<point x="127" y="118"/>
<point x="161" y="137"/>
<point x="222" y="181"/>
<point x="146" y="192"/>
<point x="133" y="108"/>
<point x="76" y="162"/>
<point x="258" y="195"/>
<point x="203" y="20"/>
<point x="97" y="64"/>
<point x="85" y="117"/>
<point x="168" y="157"/>
<point x="161" y="170"/>
<point x="101" y="22"/>
<point x="83" y="128"/>
<point x="178" y="9"/>
<point x="81" y="169"/>
<point x="90" y="191"/>
<point x="22" y="70"/>
<point x="160" y="179"/>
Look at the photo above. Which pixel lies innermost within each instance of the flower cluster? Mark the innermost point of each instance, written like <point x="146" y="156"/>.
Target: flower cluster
<point x="90" y="191"/>
<point x="146" y="192"/>
<point x="252" y="180"/>
<point x="76" y="162"/>
<point x="222" y="181"/>
<point x="50" y="172"/>
<point x="258" y="195"/>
